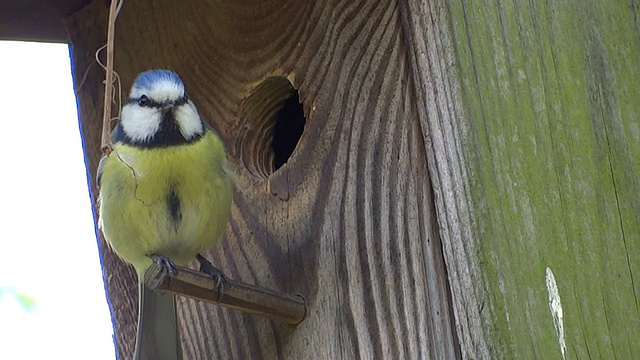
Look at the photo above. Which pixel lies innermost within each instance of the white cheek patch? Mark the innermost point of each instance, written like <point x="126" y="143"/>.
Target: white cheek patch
<point x="140" y="123"/>
<point x="188" y="120"/>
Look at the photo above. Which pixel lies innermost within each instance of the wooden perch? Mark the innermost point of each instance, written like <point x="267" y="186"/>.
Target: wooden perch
<point x="237" y="295"/>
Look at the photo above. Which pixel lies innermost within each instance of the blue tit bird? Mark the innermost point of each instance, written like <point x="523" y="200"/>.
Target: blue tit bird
<point x="165" y="196"/>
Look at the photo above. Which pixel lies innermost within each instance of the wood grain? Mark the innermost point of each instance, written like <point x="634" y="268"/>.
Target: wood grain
<point x="551" y="143"/>
<point x="348" y="222"/>
<point x="435" y="77"/>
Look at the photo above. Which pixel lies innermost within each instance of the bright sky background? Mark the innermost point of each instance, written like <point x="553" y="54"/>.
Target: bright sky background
<point x="48" y="248"/>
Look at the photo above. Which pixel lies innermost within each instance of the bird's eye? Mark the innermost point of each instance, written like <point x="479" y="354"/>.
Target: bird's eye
<point x="143" y="101"/>
<point x="181" y="101"/>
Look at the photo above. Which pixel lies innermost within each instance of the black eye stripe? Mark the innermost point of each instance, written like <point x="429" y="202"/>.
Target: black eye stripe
<point x="144" y="103"/>
<point x="180" y="101"/>
<point x="154" y="104"/>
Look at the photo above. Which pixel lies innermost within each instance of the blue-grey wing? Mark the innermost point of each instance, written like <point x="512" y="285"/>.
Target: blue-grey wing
<point x="103" y="160"/>
<point x="114" y="138"/>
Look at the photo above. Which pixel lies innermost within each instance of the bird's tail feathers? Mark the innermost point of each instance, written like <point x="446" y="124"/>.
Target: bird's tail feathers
<point x="158" y="333"/>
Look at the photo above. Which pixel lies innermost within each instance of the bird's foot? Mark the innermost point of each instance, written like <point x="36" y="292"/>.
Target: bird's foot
<point x="164" y="263"/>
<point x="218" y="276"/>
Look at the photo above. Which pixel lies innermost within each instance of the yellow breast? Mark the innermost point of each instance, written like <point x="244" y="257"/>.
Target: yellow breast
<point x="171" y="201"/>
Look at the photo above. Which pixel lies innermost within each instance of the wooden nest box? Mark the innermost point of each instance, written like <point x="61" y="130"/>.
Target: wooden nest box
<point x="437" y="179"/>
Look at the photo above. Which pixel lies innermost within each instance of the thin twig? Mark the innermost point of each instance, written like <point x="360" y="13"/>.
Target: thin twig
<point x="106" y="145"/>
<point x="84" y="77"/>
<point x="240" y="296"/>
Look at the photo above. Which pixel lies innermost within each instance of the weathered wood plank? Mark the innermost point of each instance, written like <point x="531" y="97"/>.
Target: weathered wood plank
<point x="434" y="75"/>
<point x="550" y="136"/>
<point x="348" y="222"/>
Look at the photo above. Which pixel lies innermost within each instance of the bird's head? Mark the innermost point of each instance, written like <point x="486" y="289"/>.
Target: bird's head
<point x="158" y="112"/>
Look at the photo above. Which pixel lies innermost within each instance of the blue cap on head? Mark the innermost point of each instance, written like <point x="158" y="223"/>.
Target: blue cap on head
<point x="147" y="79"/>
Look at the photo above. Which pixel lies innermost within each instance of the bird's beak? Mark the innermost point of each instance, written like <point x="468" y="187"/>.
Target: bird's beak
<point x="167" y="107"/>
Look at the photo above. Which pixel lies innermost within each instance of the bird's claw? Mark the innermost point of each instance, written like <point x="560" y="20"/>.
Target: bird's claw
<point x="218" y="276"/>
<point x="164" y="263"/>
